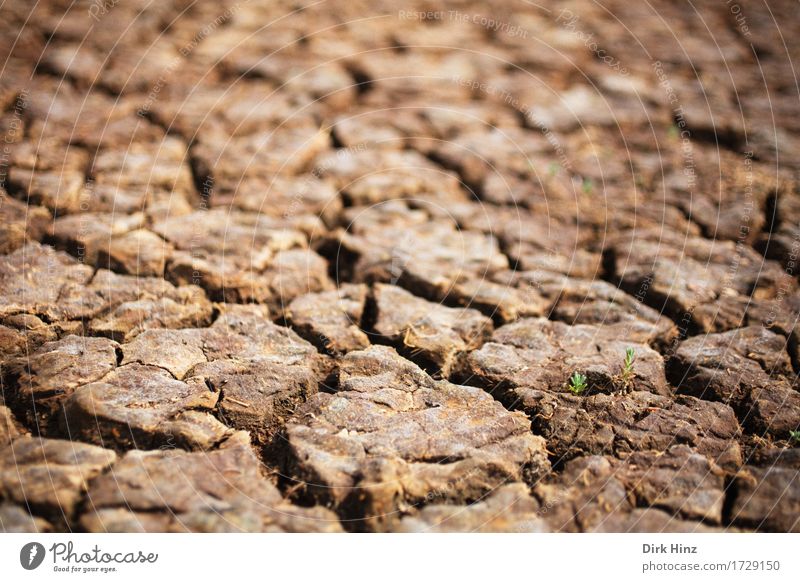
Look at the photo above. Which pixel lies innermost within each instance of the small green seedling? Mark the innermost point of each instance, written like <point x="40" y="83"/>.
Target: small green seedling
<point x="794" y="436"/>
<point x="673" y="132"/>
<point x="587" y="186"/>
<point x="553" y="168"/>
<point x="577" y="383"/>
<point x="627" y="368"/>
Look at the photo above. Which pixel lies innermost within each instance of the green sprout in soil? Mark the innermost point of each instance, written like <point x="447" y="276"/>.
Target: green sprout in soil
<point x="577" y="383"/>
<point x="672" y="132"/>
<point x="627" y="368"/>
<point x="553" y="169"/>
<point x="794" y="436"/>
<point x="587" y="186"/>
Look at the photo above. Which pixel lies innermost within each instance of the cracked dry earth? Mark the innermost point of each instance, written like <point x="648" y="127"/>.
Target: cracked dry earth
<point x="273" y="268"/>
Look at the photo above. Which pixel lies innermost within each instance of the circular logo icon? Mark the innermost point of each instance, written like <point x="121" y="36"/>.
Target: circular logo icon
<point x="31" y="555"/>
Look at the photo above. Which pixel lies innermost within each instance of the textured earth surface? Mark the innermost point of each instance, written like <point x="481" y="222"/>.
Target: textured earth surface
<point x="367" y="266"/>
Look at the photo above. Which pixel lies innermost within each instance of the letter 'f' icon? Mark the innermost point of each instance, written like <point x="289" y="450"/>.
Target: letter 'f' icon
<point x="31" y="555"/>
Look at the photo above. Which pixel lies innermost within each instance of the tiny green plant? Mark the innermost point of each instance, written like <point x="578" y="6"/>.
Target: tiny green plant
<point x="794" y="436"/>
<point x="587" y="186"/>
<point x="673" y="132"/>
<point x="577" y="383"/>
<point x="627" y="368"/>
<point x="553" y="168"/>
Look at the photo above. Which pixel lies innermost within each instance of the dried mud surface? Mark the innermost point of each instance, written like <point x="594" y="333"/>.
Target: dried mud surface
<point x="333" y="268"/>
